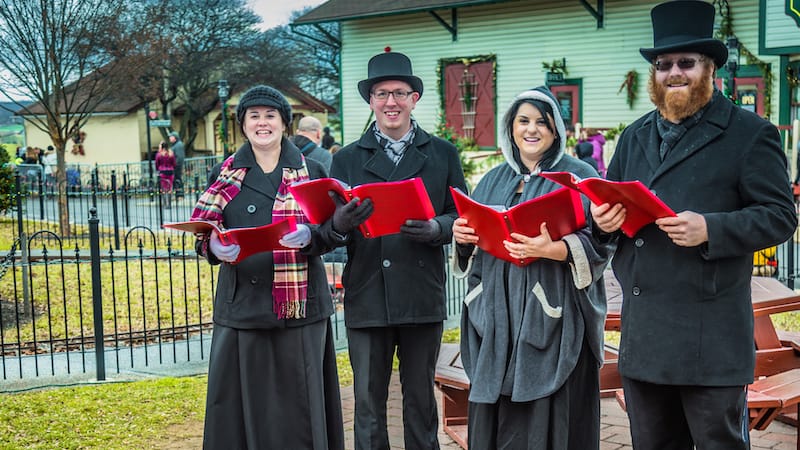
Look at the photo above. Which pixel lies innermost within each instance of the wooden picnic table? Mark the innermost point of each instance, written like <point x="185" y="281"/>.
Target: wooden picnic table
<point x="776" y="353"/>
<point x="769" y="296"/>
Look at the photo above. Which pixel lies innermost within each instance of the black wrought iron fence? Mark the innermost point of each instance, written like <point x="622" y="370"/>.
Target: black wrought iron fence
<point x="140" y="306"/>
<point x="66" y="310"/>
<point x="125" y="196"/>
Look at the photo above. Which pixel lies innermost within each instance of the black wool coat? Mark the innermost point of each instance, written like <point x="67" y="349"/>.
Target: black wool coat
<point x="687" y="317"/>
<point x="244" y="291"/>
<point x="392" y="280"/>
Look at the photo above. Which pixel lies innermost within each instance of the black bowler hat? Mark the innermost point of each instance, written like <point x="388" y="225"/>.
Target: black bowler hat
<point x="685" y="26"/>
<point x="389" y="66"/>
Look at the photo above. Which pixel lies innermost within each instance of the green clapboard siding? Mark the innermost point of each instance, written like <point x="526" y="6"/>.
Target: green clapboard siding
<point x="522" y="35"/>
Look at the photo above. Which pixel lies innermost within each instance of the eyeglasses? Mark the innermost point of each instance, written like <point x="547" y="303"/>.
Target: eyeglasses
<point x="384" y="95"/>
<point x="664" y="65"/>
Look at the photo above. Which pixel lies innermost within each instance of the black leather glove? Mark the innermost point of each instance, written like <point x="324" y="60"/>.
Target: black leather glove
<point x="421" y="230"/>
<point x="348" y="217"/>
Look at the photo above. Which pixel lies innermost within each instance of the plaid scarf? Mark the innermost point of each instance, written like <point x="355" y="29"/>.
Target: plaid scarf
<point x="290" y="276"/>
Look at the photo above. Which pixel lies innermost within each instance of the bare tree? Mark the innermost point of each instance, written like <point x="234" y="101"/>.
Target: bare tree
<point x="60" y="55"/>
<point x="205" y="38"/>
<point x="322" y="44"/>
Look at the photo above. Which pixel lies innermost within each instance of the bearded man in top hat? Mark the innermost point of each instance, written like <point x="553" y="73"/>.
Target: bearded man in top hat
<point x="686" y="350"/>
<point x="395" y="285"/>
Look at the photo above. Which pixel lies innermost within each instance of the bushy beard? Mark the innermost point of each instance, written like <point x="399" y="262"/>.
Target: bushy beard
<point x="677" y="106"/>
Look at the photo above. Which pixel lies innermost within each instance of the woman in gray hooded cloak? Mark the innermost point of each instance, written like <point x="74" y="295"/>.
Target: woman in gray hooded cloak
<point x="532" y="336"/>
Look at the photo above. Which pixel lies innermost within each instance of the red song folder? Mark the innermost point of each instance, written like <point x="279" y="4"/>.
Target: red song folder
<point x="251" y="240"/>
<point x="394" y="202"/>
<point x="642" y="206"/>
<point x="561" y="210"/>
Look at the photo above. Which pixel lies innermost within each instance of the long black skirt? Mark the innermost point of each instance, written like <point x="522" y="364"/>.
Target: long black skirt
<point x="273" y="389"/>
<point x="569" y="419"/>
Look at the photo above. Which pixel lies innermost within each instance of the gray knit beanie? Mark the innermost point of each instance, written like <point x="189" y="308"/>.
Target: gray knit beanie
<point x="262" y="95"/>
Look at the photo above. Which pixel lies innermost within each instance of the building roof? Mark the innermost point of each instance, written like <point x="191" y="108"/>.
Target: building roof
<point x="336" y="10"/>
<point x="307" y="101"/>
<point x="121" y="99"/>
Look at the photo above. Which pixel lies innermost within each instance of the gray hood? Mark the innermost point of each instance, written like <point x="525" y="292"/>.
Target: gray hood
<point x="507" y="142"/>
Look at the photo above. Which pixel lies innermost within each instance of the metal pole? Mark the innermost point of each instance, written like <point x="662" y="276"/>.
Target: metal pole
<point x="115" y="208"/>
<point x="97" y="294"/>
<point x="225" y="128"/>
<point x="41" y="193"/>
<point x="125" y="197"/>
<point x="23" y="246"/>
<point x="149" y="145"/>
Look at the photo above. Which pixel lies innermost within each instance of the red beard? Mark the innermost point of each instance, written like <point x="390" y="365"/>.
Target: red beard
<point x="677" y="106"/>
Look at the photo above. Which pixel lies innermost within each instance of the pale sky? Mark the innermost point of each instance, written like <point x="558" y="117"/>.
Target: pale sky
<point x="277" y="12"/>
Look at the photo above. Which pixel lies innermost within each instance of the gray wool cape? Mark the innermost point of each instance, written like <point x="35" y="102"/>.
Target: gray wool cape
<point x="522" y="328"/>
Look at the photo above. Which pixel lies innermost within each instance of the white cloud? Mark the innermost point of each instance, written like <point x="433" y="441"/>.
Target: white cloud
<point x="277" y="12"/>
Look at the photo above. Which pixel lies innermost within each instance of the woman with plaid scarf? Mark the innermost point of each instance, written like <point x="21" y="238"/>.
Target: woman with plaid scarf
<point x="272" y="380"/>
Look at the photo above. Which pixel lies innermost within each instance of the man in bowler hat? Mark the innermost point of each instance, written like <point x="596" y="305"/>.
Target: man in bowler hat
<point x="686" y="349"/>
<point x="395" y="285"/>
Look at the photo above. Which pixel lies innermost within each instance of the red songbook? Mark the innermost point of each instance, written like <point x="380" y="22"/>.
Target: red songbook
<point x="251" y="240"/>
<point x="642" y="206"/>
<point x="562" y="210"/>
<point x="394" y="202"/>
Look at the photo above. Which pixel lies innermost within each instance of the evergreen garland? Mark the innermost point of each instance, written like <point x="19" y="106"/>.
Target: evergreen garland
<point x="726" y="31"/>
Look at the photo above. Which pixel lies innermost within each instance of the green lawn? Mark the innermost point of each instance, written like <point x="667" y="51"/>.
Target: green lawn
<point x="153" y="413"/>
<point x="139" y="414"/>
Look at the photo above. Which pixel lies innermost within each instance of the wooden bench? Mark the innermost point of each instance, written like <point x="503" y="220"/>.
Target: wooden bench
<point x="610" y="381"/>
<point x="454" y="384"/>
<point x="766" y="398"/>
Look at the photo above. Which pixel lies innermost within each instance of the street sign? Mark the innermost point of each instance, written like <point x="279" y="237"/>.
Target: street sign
<point x="160" y="123"/>
<point x="554" y="77"/>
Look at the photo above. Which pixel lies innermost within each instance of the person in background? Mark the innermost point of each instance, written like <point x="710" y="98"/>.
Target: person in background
<point x="583" y="151"/>
<point x="327" y="138"/>
<point x="686" y="350"/>
<point x="165" y="165"/>
<point x="309" y="133"/>
<point x="272" y="380"/>
<point x="50" y="162"/>
<point x="394" y="286"/>
<point x="33" y="170"/>
<point x="335" y="148"/>
<point x="532" y="336"/>
<point x="178" y="149"/>
<point x="596" y="138"/>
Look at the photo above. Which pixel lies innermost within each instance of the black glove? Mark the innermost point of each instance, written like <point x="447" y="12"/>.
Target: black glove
<point x="348" y="217"/>
<point x="421" y="230"/>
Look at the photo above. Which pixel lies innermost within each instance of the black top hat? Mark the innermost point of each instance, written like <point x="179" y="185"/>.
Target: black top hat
<point x="388" y="66"/>
<point x="685" y="25"/>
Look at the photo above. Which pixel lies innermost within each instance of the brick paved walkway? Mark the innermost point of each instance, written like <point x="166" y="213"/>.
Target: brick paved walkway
<point x="614" y="431"/>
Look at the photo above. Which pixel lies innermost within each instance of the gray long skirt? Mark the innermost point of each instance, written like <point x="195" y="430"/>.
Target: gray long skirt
<point x="273" y="389"/>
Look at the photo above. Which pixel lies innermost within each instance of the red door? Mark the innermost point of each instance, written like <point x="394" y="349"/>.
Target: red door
<point x="477" y="79"/>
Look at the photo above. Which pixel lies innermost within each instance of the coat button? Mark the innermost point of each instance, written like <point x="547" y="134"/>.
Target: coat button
<point x="638" y="242"/>
<point x="251" y="208"/>
<point x="636" y="290"/>
<point x="254" y="280"/>
<point x="386" y="263"/>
